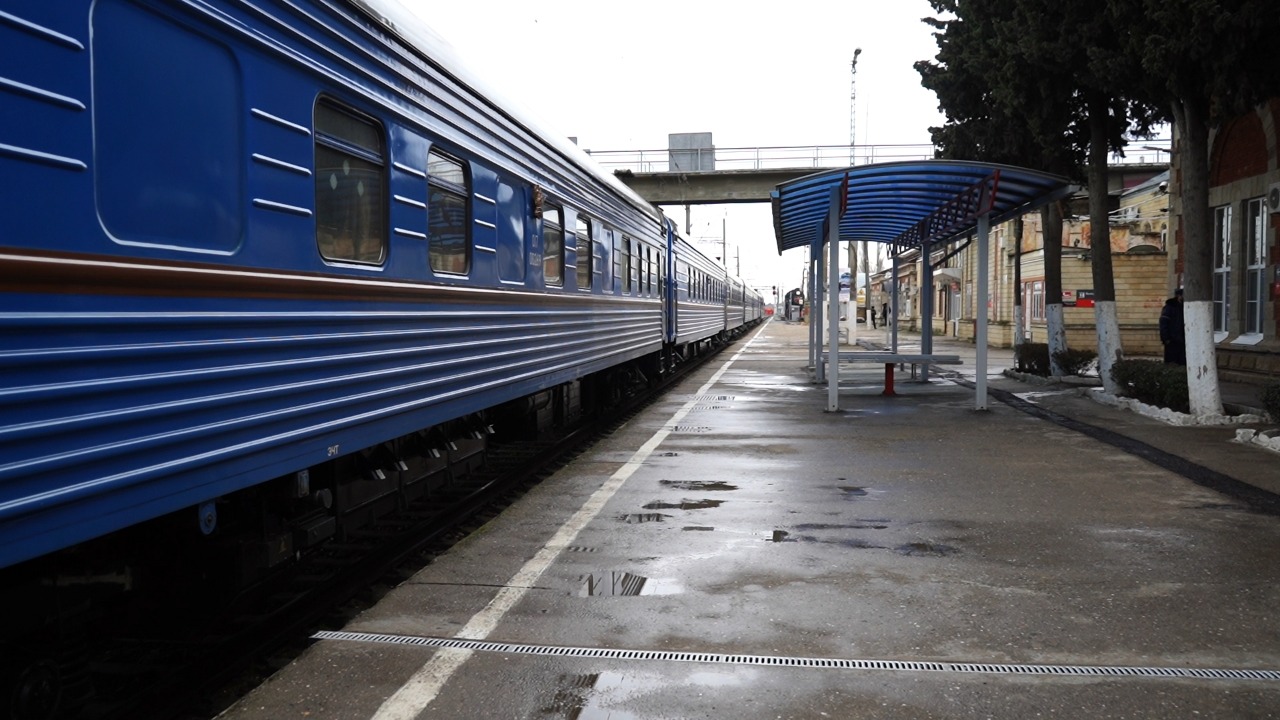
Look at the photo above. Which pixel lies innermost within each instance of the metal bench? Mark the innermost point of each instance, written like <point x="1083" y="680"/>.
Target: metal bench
<point x="890" y="359"/>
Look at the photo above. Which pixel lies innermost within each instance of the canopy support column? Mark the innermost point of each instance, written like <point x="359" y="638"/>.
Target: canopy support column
<point x="833" y="303"/>
<point x="926" y="307"/>
<point x="893" y="302"/>
<point x="980" y="339"/>
<point x="816" y="314"/>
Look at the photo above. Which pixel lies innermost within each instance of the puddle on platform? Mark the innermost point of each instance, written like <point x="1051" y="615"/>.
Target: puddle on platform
<point x="868" y="525"/>
<point x="693" y="485"/>
<point x="598" y="696"/>
<point x="1229" y="507"/>
<point x="697" y="528"/>
<point x="852" y="543"/>
<point x="685" y="505"/>
<point x="926" y="549"/>
<point x="636" y="518"/>
<point x="625" y="584"/>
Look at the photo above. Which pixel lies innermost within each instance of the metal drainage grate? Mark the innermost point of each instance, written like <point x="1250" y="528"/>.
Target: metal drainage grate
<point x="690" y="429"/>
<point x="801" y="662"/>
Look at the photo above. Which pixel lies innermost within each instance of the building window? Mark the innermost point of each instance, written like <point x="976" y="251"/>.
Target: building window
<point x="447" y="214"/>
<point x="1034" y="300"/>
<point x="1255" y="265"/>
<point x="350" y="185"/>
<point x="1221" y="267"/>
<point x="553" y="245"/>
<point x="583" y="240"/>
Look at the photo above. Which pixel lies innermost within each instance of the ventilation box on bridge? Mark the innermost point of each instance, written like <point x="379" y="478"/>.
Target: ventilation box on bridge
<point x="690" y="152"/>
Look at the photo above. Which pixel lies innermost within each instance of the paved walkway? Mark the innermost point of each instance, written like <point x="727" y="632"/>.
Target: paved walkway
<point x="1238" y="397"/>
<point x="1206" y="451"/>
<point x="736" y="551"/>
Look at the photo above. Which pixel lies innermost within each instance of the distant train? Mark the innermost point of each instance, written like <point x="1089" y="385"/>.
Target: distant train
<point x="271" y="269"/>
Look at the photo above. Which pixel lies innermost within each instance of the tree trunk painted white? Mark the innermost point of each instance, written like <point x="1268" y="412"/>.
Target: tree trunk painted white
<point x="1202" y="364"/>
<point x="1018" y="320"/>
<point x="1109" y="349"/>
<point x="1197" y="249"/>
<point x="1057" y="336"/>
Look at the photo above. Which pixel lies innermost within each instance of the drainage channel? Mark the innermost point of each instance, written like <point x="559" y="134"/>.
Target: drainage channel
<point x="803" y="662"/>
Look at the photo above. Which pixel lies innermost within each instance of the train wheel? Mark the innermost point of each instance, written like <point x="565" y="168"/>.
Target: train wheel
<point x="45" y="685"/>
<point x="35" y="693"/>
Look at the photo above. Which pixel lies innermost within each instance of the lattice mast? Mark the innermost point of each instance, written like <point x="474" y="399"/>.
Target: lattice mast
<point x="853" y="103"/>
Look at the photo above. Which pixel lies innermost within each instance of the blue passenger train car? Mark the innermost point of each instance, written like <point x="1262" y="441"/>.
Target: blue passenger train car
<point x="288" y="258"/>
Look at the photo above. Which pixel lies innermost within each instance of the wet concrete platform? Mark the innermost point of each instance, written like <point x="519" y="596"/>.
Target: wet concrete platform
<point x="737" y="551"/>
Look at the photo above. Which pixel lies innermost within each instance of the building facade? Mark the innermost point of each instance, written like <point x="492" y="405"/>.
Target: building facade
<point x="1244" y="201"/>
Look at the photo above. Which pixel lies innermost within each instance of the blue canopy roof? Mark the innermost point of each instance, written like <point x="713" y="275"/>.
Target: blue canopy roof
<point x="909" y="203"/>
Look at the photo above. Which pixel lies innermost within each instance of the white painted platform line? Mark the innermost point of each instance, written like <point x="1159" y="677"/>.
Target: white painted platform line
<point x="416" y="694"/>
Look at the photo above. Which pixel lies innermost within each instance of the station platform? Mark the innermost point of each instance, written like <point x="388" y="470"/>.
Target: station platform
<point x="736" y="551"/>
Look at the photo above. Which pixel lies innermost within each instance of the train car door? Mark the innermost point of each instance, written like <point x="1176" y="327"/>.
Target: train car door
<point x="669" y="294"/>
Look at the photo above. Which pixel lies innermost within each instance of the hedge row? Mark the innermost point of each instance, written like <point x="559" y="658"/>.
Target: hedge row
<point x="1033" y="359"/>
<point x="1153" y="382"/>
<point x="1270" y="397"/>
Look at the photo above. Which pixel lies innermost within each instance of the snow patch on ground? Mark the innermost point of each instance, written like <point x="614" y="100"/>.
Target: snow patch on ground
<point x="1266" y="439"/>
<point x="1165" y="415"/>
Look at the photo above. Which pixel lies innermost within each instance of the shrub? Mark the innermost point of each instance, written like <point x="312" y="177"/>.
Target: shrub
<point x="1270" y="397"/>
<point x="1075" y="362"/>
<point x="1032" y="358"/>
<point x="1153" y="382"/>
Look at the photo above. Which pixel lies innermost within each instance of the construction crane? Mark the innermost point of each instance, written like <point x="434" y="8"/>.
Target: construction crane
<point x="853" y="102"/>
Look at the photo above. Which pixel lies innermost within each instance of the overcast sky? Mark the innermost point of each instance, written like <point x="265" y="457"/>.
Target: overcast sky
<point x="622" y="76"/>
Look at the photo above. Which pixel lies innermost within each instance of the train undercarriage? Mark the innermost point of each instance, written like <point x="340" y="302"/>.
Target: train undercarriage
<point x="205" y="559"/>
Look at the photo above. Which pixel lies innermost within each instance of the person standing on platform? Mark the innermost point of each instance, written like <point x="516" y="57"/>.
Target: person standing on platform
<point x="1172" y="331"/>
<point x="884" y="314"/>
<point x="873" y="317"/>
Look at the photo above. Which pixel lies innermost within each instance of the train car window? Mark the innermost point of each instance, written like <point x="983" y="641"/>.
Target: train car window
<point x="351" y="185"/>
<point x="448" y="190"/>
<point x="583" y="234"/>
<point x="626" y="265"/>
<point x="648" y="268"/>
<point x="553" y="245"/>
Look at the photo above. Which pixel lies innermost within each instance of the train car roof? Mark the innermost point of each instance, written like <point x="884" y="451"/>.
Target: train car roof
<point x="434" y="48"/>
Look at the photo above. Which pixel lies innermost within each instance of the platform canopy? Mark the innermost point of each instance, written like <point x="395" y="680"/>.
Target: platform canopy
<point x="908" y="203"/>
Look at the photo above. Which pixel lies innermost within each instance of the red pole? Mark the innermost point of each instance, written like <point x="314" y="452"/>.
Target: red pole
<point x="888" y="379"/>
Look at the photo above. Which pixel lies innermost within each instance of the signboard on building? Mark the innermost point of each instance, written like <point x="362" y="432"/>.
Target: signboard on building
<point x="1084" y="298"/>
